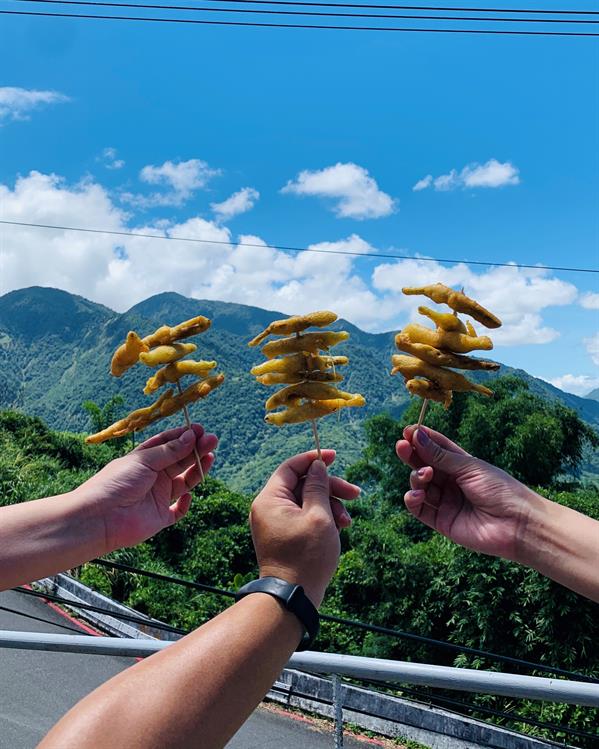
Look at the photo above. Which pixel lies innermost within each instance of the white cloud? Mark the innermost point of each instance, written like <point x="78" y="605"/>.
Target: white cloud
<point x="17" y="103"/>
<point x="592" y="346"/>
<point x="590" y="300"/>
<point x="240" y="202"/>
<point x="109" y="159"/>
<point x="121" y="271"/>
<point x="491" y="174"/>
<point x="356" y="192"/>
<point x="423" y="183"/>
<point x="181" y="180"/>
<point x="516" y="295"/>
<point x="577" y="384"/>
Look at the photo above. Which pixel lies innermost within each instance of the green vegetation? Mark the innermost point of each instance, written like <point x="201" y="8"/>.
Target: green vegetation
<point x="393" y="571"/>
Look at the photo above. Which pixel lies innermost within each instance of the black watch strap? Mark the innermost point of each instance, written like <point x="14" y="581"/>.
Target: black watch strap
<point x="293" y="598"/>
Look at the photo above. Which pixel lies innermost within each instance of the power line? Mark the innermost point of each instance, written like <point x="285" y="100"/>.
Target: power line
<point x="328" y="14"/>
<point x="287" y="248"/>
<point x="256" y="24"/>
<point x="411" y="7"/>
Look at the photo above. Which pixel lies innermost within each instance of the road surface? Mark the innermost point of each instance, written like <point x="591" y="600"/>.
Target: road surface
<point x="37" y="688"/>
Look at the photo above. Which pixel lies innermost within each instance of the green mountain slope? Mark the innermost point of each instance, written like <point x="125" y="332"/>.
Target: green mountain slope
<point x="55" y="350"/>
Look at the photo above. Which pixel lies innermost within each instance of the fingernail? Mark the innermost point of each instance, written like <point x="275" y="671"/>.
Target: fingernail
<point x="417" y="494"/>
<point x="318" y="468"/>
<point x="346" y="517"/>
<point x="422" y="437"/>
<point x="187" y="437"/>
<point x="420" y="472"/>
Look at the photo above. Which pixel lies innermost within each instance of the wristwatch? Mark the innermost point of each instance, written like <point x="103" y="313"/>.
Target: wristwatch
<point x="293" y="598"/>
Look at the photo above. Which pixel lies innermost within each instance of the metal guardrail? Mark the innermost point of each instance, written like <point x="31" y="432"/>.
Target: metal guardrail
<point x="359" y="667"/>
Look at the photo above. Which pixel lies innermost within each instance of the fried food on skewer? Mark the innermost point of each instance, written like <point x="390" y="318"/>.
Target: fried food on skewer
<point x="167" y="354"/>
<point x="299" y="364"/>
<point x="166" y="334"/>
<point x="410" y="367"/>
<point x="440" y="358"/>
<point x="280" y="378"/>
<point x="434" y="354"/>
<point x="296" y="324"/>
<point x="127" y="355"/>
<point x="308" y="411"/>
<point x="446" y="340"/>
<point x="175" y="371"/>
<point x="166" y="405"/>
<point x="310" y="343"/>
<point x="296" y="362"/>
<point x="458" y="302"/>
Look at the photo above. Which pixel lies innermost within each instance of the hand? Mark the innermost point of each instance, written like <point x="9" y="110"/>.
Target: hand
<point x="472" y="502"/>
<point x="149" y="488"/>
<point x="295" y="522"/>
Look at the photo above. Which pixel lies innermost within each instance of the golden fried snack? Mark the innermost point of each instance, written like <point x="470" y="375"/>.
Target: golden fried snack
<point x="166" y="335"/>
<point x="449" y="341"/>
<point x="310" y="410"/>
<point x="459" y="302"/>
<point x="444" y="320"/>
<point x="430" y="390"/>
<point x="295" y="325"/>
<point x="167" y="354"/>
<point x="317" y="391"/>
<point x="410" y="367"/>
<point x="175" y="371"/>
<point x="309" y="342"/>
<point x="440" y="358"/>
<point x="470" y="329"/>
<point x="298" y="364"/>
<point x="166" y="405"/>
<point x="127" y="355"/>
<point x="131" y="422"/>
<point x="280" y="378"/>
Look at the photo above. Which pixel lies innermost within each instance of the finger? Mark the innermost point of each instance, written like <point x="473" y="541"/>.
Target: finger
<point x="417" y="503"/>
<point x="406" y="453"/>
<point x="162" y="456"/>
<point x="288" y="474"/>
<point x="437" y="437"/>
<point x="342" y="489"/>
<point x="421" y="478"/>
<point x="340" y="514"/>
<point x="315" y="494"/>
<point x="180" y="508"/>
<point x="433" y="454"/>
<point x="190" y="478"/>
<point x="168" y="435"/>
<point x="206" y="444"/>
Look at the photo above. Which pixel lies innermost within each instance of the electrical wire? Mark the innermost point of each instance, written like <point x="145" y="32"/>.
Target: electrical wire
<point x="330" y="27"/>
<point x="287" y="248"/>
<point x="410" y="7"/>
<point x="197" y="9"/>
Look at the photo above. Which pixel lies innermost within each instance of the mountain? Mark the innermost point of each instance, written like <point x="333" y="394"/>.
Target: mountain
<point x="593" y="395"/>
<point x="55" y="351"/>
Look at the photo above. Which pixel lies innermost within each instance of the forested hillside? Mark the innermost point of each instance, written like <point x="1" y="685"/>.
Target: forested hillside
<point x="55" y="350"/>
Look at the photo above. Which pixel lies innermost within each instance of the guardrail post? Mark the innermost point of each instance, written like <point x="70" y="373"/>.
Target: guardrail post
<point x="338" y="710"/>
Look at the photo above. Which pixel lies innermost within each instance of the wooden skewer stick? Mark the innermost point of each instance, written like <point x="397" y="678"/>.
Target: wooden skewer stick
<point x="422" y="413"/>
<point x="188" y="421"/>
<point x="316" y="439"/>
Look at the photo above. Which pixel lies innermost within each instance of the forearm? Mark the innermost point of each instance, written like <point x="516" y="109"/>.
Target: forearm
<point x="564" y="545"/>
<point x="197" y="692"/>
<point x="46" y="536"/>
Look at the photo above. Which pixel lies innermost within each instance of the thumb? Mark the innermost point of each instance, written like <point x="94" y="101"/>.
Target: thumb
<point x="162" y="456"/>
<point x="432" y="454"/>
<point x="316" y="488"/>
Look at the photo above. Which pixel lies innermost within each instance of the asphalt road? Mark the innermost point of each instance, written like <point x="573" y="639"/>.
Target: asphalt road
<point x="37" y="688"/>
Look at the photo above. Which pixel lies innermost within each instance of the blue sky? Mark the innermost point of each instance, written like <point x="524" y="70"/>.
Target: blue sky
<point x="259" y="107"/>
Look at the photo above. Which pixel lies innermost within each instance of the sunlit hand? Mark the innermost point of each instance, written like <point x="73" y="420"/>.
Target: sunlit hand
<point x="295" y="522"/>
<point x="472" y="502"/>
<point x="149" y="488"/>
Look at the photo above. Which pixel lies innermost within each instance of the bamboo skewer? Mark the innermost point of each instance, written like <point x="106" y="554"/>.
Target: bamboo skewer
<point x="312" y="421"/>
<point x="422" y="413"/>
<point x="188" y="421"/>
